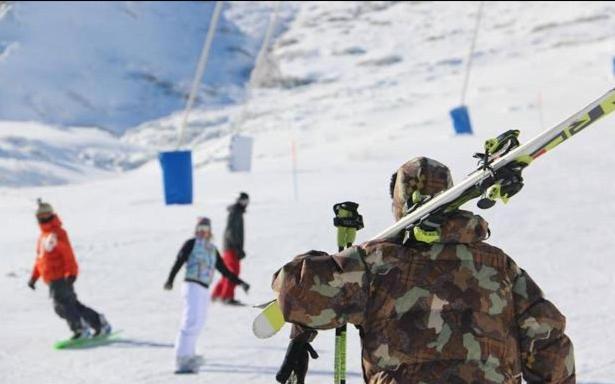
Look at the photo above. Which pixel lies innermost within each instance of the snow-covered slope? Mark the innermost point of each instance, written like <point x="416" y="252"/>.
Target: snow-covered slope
<point x="116" y="64"/>
<point x="112" y="66"/>
<point x="37" y="154"/>
<point x="379" y="79"/>
<point x="352" y="66"/>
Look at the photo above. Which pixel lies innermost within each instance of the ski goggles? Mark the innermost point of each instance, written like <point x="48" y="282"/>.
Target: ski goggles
<point x="45" y="218"/>
<point x="203" y="228"/>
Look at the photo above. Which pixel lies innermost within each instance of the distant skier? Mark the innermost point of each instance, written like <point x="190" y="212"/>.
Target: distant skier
<point x="202" y="259"/>
<point x="233" y="249"/>
<point x="56" y="264"/>
<point x="437" y="305"/>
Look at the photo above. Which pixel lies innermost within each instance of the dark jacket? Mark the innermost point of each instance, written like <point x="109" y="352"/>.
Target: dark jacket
<point x="457" y="311"/>
<point x="182" y="258"/>
<point x="233" y="234"/>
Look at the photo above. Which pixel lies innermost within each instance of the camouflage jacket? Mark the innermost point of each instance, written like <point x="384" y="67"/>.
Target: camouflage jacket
<point x="457" y="311"/>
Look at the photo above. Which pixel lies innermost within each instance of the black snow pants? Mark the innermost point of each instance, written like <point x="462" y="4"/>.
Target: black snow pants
<point x="69" y="308"/>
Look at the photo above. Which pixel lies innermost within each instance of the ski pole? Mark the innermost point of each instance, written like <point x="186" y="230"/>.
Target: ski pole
<point x="348" y="222"/>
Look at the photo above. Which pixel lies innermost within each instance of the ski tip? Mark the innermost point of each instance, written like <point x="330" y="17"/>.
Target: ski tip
<point x="269" y="321"/>
<point x="262" y="329"/>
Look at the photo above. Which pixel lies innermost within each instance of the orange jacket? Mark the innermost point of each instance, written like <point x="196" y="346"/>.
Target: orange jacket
<point x="55" y="259"/>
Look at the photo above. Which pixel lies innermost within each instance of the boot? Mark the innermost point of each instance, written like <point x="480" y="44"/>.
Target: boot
<point x="104" y="329"/>
<point x="82" y="333"/>
<point x="234" y="302"/>
<point x="186" y="364"/>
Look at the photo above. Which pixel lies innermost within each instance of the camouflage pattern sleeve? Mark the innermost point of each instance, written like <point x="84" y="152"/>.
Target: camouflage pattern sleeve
<point x="322" y="291"/>
<point x="546" y="352"/>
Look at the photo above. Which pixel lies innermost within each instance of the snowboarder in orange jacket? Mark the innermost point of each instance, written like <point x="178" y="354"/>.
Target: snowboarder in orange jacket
<point x="57" y="266"/>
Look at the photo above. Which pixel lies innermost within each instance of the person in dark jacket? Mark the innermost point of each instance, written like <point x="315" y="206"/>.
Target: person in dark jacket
<point x="233" y="249"/>
<point x="202" y="259"/>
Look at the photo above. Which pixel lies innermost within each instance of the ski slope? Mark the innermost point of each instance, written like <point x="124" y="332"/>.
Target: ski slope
<point x="37" y="154"/>
<point x="63" y="69"/>
<point x="360" y="115"/>
<point x="114" y="65"/>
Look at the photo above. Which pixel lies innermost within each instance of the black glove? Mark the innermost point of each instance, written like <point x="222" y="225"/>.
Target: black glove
<point x="245" y="286"/>
<point x="71" y="279"/>
<point x="168" y="285"/>
<point x="32" y="284"/>
<point x="241" y="255"/>
<point x="296" y="360"/>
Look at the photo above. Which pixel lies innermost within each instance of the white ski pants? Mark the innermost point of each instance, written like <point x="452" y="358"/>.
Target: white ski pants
<point x="196" y="303"/>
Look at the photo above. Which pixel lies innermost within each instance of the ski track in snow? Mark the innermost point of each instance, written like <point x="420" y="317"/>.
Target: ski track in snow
<point x="363" y="115"/>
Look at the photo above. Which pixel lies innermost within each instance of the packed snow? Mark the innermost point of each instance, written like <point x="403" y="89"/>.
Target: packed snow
<point x="363" y="87"/>
<point x="37" y="154"/>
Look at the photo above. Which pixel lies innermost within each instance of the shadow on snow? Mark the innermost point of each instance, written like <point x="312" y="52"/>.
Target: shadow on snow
<point x="246" y="369"/>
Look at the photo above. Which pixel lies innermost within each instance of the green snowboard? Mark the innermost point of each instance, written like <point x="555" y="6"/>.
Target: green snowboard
<point x="86" y="343"/>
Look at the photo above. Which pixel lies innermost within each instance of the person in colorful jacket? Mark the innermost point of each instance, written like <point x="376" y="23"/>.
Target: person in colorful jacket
<point x="57" y="266"/>
<point x="202" y="259"/>
<point x="451" y="310"/>
<point x="233" y="249"/>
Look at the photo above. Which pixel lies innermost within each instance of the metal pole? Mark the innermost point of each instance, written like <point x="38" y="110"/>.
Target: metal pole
<point x="262" y="53"/>
<point x="466" y="79"/>
<point x="200" y="69"/>
<point x="235" y="126"/>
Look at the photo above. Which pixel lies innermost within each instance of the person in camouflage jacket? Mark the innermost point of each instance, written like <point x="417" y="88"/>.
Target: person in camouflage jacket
<point x="457" y="310"/>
